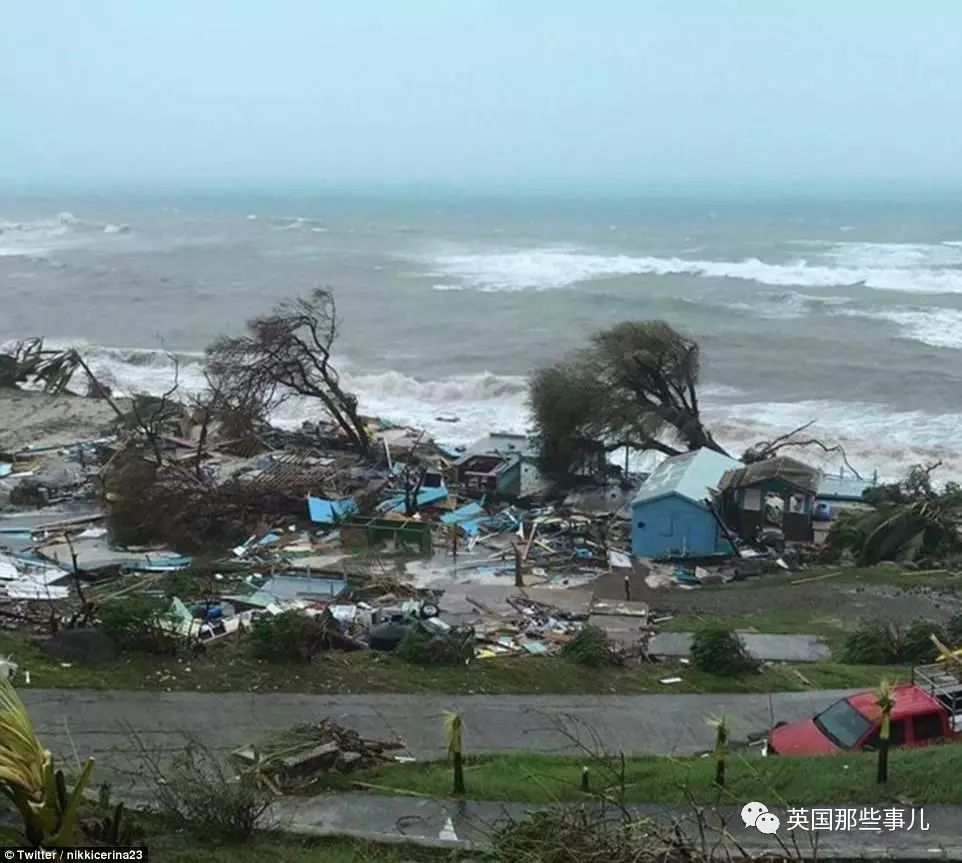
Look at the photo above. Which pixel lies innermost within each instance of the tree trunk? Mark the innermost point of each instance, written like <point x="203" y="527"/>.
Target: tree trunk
<point x="882" y="773"/>
<point x="458" y="762"/>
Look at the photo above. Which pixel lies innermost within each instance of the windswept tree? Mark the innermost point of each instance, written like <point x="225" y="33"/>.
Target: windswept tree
<point x="288" y="353"/>
<point x="635" y="386"/>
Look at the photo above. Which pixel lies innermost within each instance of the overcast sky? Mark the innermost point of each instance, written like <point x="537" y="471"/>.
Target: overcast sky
<point x="480" y="92"/>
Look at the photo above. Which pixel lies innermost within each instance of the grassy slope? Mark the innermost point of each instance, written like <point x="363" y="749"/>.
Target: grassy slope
<point x="921" y="776"/>
<point x="229" y="667"/>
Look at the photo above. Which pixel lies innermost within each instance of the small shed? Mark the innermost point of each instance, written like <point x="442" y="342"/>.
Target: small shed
<point x="779" y="485"/>
<point x="500" y="464"/>
<point x="671" y="513"/>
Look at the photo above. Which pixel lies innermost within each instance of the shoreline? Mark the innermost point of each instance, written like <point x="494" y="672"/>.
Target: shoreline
<point x="37" y="419"/>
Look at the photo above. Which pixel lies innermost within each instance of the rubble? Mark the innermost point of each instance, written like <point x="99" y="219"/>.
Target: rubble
<point x="471" y="545"/>
<point x="295" y="760"/>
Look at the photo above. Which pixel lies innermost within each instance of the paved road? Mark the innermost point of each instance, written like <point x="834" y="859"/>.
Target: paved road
<point x="111" y="726"/>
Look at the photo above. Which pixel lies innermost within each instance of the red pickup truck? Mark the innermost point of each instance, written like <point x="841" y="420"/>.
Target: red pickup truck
<point x="927" y="710"/>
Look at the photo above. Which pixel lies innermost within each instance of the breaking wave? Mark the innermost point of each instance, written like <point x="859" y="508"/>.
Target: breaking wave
<point x="458" y="409"/>
<point x="788" y="305"/>
<point x="39" y="236"/>
<point x="550" y="268"/>
<point x="874" y="437"/>
<point x="940" y="328"/>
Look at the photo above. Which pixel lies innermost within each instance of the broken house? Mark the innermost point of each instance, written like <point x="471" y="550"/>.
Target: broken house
<point x="776" y="493"/>
<point x="499" y="464"/>
<point x="672" y="514"/>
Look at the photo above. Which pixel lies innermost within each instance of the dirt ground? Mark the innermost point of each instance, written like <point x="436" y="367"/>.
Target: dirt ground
<point x="37" y="419"/>
<point x="820" y="599"/>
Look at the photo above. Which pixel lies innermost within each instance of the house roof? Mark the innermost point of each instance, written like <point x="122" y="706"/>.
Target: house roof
<point x="779" y="469"/>
<point x="501" y="444"/>
<point x="689" y="475"/>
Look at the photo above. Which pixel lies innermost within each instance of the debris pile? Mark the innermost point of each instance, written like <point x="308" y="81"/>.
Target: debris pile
<point x="297" y="759"/>
<point x="471" y="548"/>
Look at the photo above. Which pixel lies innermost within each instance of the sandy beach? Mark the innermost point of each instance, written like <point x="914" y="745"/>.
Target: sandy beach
<point x="39" y="420"/>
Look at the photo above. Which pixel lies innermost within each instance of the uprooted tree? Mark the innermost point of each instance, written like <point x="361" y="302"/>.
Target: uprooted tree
<point x="634" y="386"/>
<point x="287" y="353"/>
<point x="29" y="361"/>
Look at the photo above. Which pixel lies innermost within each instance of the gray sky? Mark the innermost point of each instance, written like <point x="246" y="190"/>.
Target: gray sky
<point x="480" y="92"/>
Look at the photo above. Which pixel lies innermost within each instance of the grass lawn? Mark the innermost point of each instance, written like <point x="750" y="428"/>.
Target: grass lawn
<point x="787" y="620"/>
<point x="230" y="668"/>
<point x="291" y="849"/>
<point x="919" y="776"/>
<point x="941" y="579"/>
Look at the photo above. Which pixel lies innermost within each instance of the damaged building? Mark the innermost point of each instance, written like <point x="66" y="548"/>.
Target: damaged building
<point x="776" y="493"/>
<point x="672" y="513"/>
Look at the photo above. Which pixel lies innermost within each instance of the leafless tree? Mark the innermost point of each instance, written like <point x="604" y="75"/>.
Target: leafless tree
<point x="288" y="352"/>
<point x="764" y="450"/>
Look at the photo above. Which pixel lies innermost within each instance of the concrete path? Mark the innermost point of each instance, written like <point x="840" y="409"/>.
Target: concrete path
<point x="112" y="726"/>
<point x="761" y="645"/>
<point x="469" y="824"/>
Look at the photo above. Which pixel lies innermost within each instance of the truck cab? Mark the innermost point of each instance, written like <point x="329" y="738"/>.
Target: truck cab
<point x="927" y="710"/>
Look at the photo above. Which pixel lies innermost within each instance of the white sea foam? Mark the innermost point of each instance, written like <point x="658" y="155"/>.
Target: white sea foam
<point x="38" y="237"/>
<point x="941" y="328"/>
<point x="897" y="255"/>
<point x="553" y="267"/>
<point x="789" y="305"/>
<point x="873" y="437"/>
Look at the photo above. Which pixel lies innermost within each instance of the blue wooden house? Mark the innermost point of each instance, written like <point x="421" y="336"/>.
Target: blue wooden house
<point x="670" y="514"/>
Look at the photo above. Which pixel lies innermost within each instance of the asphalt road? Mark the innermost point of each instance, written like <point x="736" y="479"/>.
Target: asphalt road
<point x="115" y="726"/>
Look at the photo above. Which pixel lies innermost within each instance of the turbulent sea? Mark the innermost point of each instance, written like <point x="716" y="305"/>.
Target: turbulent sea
<point x="846" y="313"/>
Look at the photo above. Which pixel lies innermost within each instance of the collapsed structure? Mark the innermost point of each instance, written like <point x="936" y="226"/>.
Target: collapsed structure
<point x="409" y="536"/>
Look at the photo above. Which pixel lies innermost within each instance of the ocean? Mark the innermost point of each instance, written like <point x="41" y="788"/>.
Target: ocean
<point x="848" y="313"/>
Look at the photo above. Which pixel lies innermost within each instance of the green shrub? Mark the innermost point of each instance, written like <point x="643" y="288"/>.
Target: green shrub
<point x="288" y="637"/>
<point x="139" y="623"/>
<point x="719" y="650"/>
<point x="884" y="642"/>
<point x="420" y="647"/>
<point x="874" y="642"/>
<point x="591" y="646"/>
<point x="917" y="646"/>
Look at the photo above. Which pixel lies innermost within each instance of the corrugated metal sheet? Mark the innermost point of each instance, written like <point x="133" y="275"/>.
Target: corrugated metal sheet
<point x="690" y="476"/>
<point x="323" y="511"/>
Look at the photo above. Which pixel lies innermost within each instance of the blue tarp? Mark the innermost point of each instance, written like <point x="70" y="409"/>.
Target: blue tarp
<point x="323" y="511"/>
<point x="426" y="497"/>
<point x="471" y="527"/>
<point x="469" y="518"/>
<point x="462" y="513"/>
